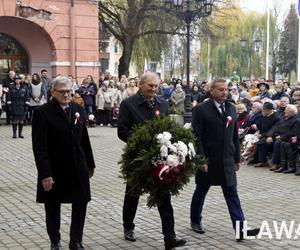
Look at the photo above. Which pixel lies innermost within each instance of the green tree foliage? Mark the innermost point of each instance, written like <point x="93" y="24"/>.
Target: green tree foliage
<point x="288" y="49"/>
<point x="132" y="20"/>
<point x="228" y="27"/>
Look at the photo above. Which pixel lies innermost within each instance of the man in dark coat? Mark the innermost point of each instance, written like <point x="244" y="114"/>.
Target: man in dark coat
<point x="6" y="84"/>
<point x="136" y="110"/>
<point x="64" y="161"/>
<point x="215" y="125"/>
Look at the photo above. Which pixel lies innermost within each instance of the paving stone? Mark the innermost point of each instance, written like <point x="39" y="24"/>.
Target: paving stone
<point x="264" y="195"/>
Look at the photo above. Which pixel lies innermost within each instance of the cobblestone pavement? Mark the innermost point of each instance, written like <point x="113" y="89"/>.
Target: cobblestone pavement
<point x="264" y="196"/>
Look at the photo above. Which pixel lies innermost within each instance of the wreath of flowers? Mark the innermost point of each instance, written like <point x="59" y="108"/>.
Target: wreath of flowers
<point x="159" y="159"/>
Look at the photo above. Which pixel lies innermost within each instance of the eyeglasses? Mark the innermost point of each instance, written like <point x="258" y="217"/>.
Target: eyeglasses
<point x="63" y="92"/>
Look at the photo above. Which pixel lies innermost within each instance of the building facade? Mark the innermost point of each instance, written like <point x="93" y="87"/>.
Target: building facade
<point x="61" y="36"/>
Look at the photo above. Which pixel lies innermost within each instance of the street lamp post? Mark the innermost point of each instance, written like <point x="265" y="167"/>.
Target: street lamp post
<point x="254" y="46"/>
<point x="189" y="11"/>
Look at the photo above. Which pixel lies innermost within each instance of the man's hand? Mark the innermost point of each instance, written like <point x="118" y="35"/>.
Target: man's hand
<point x="204" y="168"/>
<point x="237" y="167"/>
<point x="91" y="172"/>
<point x="269" y="140"/>
<point x="47" y="183"/>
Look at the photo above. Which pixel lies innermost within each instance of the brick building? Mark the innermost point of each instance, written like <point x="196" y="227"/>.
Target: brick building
<point x="61" y="36"/>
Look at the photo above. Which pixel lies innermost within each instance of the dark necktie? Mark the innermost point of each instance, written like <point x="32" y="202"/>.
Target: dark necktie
<point x="222" y="109"/>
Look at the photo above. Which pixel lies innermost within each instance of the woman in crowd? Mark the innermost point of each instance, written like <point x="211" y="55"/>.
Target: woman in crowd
<point x="132" y="88"/>
<point x="18" y="101"/>
<point x="38" y="94"/>
<point x="242" y="114"/>
<point x="87" y="93"/>
<point x="177" y="98"/>
<point x="104" y="104"/>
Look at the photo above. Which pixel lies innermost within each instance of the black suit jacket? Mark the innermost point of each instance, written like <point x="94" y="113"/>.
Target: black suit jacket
<point x="62" y="151"/>
<point x="218" y="143"/>
<point x="134" y="110"/>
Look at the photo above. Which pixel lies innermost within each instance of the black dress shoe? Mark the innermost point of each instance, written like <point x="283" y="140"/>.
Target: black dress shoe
<point x="55" y="246"/>
<point x="250" y="232"/>
<point x="197" y="227"/>
<point x="129" y="235"/>
<point x="252" y="161"/>
<point x="172" y="243"/>
<point x="280" y="170"/>
<point x="289" y="171"/>
<point x="76" y="246"/>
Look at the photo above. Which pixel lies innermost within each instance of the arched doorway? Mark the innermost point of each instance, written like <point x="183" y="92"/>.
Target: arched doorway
<point x="12" y="56"/>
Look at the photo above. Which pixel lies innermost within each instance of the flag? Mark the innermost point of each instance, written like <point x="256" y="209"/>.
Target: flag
<point x="299" y="7"/>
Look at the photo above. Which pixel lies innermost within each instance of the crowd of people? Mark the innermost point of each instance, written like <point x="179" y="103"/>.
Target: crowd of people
<point x="266" y="109"/>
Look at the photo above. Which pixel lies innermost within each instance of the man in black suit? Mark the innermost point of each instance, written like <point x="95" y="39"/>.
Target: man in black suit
<point x="64" y="161"/>
<point x="215" y="125"/>
<point x="136" y="110"/>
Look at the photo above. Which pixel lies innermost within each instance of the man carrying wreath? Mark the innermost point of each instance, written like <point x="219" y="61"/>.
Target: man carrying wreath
<point x="215" y="126"/>
<point x="135" y="110"/>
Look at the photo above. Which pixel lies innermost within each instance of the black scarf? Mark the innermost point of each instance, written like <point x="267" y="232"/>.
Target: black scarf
<point x="150" y="102"/>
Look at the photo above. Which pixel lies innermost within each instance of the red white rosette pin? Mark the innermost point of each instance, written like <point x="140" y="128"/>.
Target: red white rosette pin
<point x="157" y="113"/>
<point x="229" y="121"/>
<point x="77" y="117"/>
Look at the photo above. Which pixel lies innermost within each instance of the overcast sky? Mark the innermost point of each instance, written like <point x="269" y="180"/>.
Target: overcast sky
<point x="261" y="6"/>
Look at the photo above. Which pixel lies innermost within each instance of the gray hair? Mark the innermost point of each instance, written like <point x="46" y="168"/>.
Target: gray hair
<point x="258" y="105"/>
<point x="60" y="80"/>
<point x="293" y="108"/>
<point x="148" y="75"/>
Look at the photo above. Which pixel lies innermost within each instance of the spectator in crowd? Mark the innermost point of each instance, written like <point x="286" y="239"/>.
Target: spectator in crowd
<point x="254" y="118"/>
<point x="269" y="119"/>
<point x="74" y="84"/>
<point x="287" y="88"/>
<point x="284" y="101"/>
<point x="177" y="98"/>
<point x="46" y="83"/>
<point x="168" y="91"/>
<point x="104" y="104"/>
<point x="235" y="95"/>
<point x="87" y="92"/>
<point x="196" y="96"/>
<point x="295" y="95"/>
<point x="280" y="92"/>
<point x="243" y="90"/>
<point x="132" y="88"/>
<point x="18" y="101"/>
<point x="38" y="94"/>
<point x="76" y="98"/>
<point x="263" y="91"/>
<point x="281" y="135"/>
<point x="253" y="90"/>
<point x="6" y="84"/>
<point x="242" y="114"/>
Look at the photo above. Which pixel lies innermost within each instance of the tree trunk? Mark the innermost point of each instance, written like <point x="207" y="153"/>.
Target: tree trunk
<point x="124" y="62"/>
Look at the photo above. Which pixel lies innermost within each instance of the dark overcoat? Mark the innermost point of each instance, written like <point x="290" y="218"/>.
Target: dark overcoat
<point x="218" y="143"/>
<point x="18" y="101"/>
<point x="62" y="151"/>
<point x="134" y="110"/>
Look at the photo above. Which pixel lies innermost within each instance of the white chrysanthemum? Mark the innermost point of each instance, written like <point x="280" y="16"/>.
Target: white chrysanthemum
<point x="172" y="160"/>
<point x="187" y="125"/>
<point x="173" y="148"/>
<point x="163" y="151"/>
<point x="192" y="152"/>
<point x="167" y="136"/>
